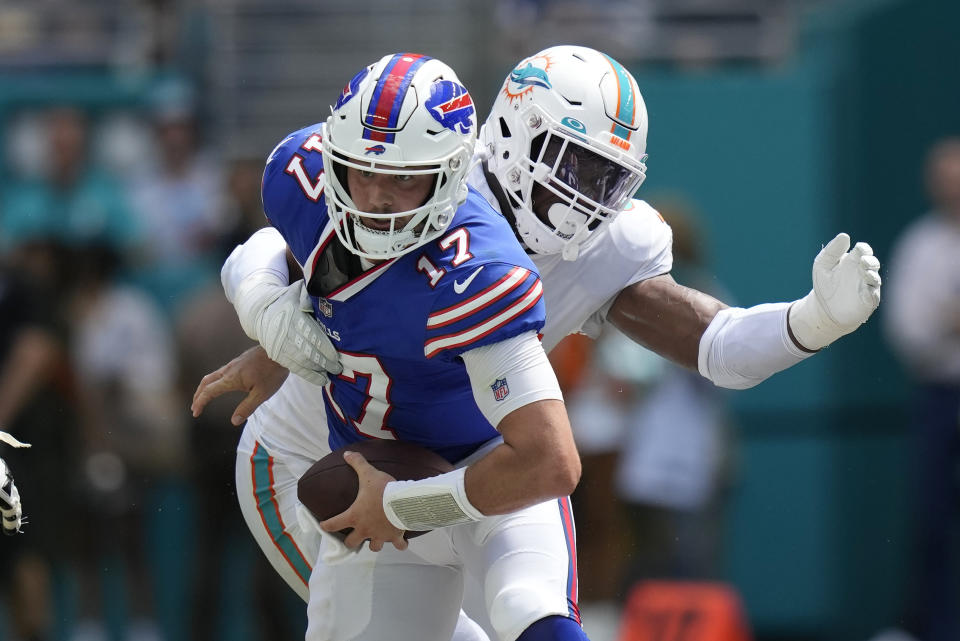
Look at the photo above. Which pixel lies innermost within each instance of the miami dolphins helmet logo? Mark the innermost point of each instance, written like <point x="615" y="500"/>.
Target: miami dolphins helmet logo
<point x="529" y="74"/>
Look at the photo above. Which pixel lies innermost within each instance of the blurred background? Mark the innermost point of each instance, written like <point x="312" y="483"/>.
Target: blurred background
<point x="818" y="506"/>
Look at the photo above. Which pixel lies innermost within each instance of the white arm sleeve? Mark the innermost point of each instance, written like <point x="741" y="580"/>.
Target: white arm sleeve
<point x="743" y="347"/>
<point x="523" y="366"/>
<point x="253" y="275"/>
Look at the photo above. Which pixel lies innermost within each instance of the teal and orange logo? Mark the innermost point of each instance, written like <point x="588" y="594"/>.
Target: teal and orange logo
<point x="532" y="72"/>
<point x="574" y="124"/>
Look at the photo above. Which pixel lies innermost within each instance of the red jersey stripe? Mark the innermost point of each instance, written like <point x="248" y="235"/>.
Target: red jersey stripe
<point x="485" y="298"/>
<point x="432" y="347"/>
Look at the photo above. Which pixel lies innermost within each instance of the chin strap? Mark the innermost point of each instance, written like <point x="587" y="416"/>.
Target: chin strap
<point x="506" y="207"/>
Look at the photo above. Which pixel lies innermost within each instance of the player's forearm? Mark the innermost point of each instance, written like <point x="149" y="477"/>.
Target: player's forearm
<point x="744" y="347"/>
<point x="510" y="479"/>
<point x="253" y="276"/>
<point x="737" y="348"/>
<point x="665" y="317"/>
<point x="536" y="462"/>
<point x="515" y="388"/>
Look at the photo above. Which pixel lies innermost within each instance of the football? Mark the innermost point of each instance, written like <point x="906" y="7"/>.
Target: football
<point x="330" y="486"/>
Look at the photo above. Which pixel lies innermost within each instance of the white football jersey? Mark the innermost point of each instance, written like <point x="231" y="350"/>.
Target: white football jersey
<point x="636" y="246"/>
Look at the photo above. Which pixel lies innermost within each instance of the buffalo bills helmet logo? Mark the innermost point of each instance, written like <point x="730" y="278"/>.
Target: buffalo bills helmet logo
<point x="451" y="105"/>
<point x="376" y="150"/>
<point x="350" y="90"/>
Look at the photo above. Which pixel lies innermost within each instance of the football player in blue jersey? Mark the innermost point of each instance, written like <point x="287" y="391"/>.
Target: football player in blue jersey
<point x="562" y="153"/>
<point x="434" y="309"/>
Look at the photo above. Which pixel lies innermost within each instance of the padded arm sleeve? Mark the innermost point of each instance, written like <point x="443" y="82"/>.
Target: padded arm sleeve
<point x="522" y="366"/>
<point x="743" y="347"/>
<point x="254" y="274"/>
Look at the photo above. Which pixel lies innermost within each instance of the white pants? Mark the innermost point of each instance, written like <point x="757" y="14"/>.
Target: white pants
<point x="522" y="560"/>
<point x="525" y="563"/>
<point x="267" y="492"/>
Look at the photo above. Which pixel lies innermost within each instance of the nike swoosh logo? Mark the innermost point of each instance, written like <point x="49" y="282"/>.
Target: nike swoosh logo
<point x="460" y="287"/>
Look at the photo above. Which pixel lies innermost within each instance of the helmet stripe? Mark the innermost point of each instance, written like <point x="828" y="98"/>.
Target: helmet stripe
<point x="384" y="108"/>
<point x="626" y="107"/>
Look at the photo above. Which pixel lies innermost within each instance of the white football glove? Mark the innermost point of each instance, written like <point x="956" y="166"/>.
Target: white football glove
<point x="846" y="290"/>
<point x="292" y="337"/>
<point x="10" y="508"/>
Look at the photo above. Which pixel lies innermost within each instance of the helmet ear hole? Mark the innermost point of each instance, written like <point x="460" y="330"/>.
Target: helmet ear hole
<point x="504" y="128"/>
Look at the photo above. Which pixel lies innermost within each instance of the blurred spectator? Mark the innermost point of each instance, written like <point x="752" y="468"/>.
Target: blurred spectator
<point x="923" y="326"/>
<point x="36" y="406"/>
<point x="208" y="335"/>
<point x="71" y="201"/>
<point x="47" y="219"/>
<point x="675" y="462"/>
<point x="133" y="427"/>
<point x="178" y="200"/>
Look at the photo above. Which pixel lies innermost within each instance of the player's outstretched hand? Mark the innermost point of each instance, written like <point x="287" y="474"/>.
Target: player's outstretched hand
<point x="252" y="372"/>
<point x="292" y="336"/>
<point x="846" y="290"/>
<point x="366" y="515"/>
<point x="10" y="508"/>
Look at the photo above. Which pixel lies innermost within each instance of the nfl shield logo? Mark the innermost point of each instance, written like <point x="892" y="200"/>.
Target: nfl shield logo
<point x="500" y="389"/>
<point x="325" y="307"/>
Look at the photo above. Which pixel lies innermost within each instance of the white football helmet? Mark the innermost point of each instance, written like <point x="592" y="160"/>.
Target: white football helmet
<point x="566" y="139"/>
<point x="406" y="114"/>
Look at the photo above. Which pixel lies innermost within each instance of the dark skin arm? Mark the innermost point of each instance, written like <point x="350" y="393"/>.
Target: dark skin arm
<point x="665" y="317"/>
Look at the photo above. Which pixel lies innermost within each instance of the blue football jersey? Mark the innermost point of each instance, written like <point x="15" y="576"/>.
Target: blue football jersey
<point x="401" y="325"/>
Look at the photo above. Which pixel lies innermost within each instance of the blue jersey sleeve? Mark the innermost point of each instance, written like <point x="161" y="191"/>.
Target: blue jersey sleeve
<point x="292" y="190"/>
<point x="486" y="304"/>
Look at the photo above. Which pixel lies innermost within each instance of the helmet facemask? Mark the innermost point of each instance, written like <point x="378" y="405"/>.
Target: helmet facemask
<point x="570" y="186"/>
<point x="390" y="234"/>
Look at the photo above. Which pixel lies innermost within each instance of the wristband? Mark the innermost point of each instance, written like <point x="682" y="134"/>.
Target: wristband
<point x="430" y="503"/>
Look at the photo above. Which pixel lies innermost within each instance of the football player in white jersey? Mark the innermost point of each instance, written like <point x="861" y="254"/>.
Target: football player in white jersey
<point x="561" y="155"/>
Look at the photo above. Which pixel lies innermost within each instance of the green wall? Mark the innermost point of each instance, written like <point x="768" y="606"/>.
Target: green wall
<point x="776" y="161"/>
